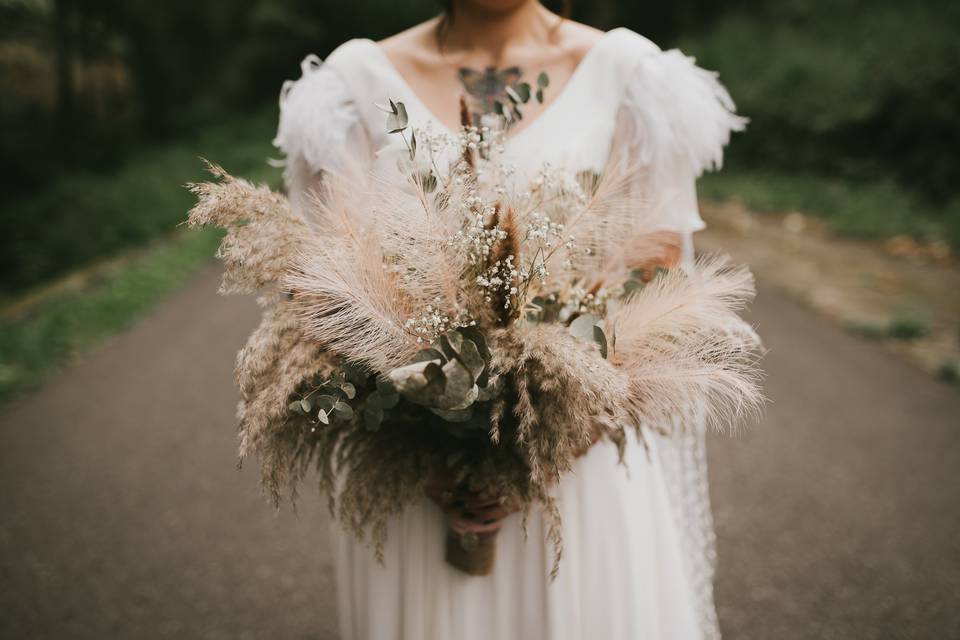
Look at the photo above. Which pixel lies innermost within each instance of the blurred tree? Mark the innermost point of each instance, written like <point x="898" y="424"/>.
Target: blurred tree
<point x="861" y="88"/>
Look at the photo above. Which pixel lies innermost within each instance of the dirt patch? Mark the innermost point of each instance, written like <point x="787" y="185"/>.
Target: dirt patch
<point x="907" y="298"/>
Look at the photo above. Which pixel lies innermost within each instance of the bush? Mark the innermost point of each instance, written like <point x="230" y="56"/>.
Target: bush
<point x="84" y="217"/>
<point x="834" y="89"/>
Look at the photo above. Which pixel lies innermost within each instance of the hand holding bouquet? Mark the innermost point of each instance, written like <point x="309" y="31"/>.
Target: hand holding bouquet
<point x="450" y="322"/>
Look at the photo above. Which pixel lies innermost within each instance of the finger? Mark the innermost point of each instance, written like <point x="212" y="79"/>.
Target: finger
<point x="461" y="527"/>
<point x="493" y="513"/>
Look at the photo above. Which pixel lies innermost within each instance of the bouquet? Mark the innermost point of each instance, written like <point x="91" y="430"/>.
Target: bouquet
<point x="446" y="321"/>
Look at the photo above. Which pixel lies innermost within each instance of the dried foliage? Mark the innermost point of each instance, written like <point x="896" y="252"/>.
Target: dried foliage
<point x="446" y="322"/>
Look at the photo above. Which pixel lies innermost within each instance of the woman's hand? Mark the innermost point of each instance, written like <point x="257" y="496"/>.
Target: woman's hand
<point x="480" y="513"/>
<point x="668" y="255"/>
<point x="476" y="512"/>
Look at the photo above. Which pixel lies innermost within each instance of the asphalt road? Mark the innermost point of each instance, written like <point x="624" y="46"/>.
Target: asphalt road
<point x="122" y="514"/>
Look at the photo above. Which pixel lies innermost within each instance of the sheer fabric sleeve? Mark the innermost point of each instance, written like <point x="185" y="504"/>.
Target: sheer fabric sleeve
<point x="320" y="126"/>
<point x="675" y="120"/>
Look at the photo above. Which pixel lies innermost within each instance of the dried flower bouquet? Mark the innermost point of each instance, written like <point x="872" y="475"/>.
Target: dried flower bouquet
<point x="449" y="322"/>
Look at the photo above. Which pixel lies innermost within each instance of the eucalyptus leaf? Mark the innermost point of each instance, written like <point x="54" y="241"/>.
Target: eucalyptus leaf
<point x="498" y="107"/>
<point x="582" y="326"/>
<point x="513" y="95"/>
<point x="295" y="407"/>
<point x="326" y="402"/>
<point x="451" y="341"/>
<point x="421" y="382"/>
<point x="517" y="112"/>
<point x="475" y="335"/>
<point x="470" y="358"/>
<point x="543" y="80"/>
<point x="349" y="390"/>
<point x="305" y="405"/>
<point x="539" y="95"/>
<point x="397" y="121"/>
<point x="523" y="91"/>
<point x="470" y="398"/>
<point x="426" y="355"/>
<point x="601" y="339"/>
<point x="343" y="411"/>
<point x="459" y="389"/>
<point x="413" y="145"/>
<point x="323" y="416"/>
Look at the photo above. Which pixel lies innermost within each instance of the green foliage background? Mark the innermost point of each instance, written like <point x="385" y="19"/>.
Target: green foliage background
<point x="860" y="92"/>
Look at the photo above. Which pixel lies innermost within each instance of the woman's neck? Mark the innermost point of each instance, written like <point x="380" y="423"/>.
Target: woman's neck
<point x="475" y="28"/>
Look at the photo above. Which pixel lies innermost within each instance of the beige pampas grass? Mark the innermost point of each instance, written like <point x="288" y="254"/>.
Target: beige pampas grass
<point x="374" y="270"/>
<point x="263" y="233"/>
<point x="686" y="349"/>
<point x="350" y="303"/>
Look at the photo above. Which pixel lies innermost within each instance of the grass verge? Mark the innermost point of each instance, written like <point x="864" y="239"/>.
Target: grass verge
<point x="33" y="345"/>
<point x="866" y="210"/>
<point x="132" y="213"/>
<point x="84" y="217"/>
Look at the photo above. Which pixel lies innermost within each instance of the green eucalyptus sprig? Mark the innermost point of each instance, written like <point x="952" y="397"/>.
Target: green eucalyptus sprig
<point x="398" y="122"/>
<point x="448" y="378"/>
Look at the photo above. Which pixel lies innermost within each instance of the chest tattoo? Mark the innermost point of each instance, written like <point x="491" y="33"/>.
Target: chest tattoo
<point x="503" y="92"/>
<point x="488" y="87"/>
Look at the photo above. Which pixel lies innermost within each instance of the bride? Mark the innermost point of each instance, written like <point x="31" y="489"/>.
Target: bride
<point x="638" y="561"/>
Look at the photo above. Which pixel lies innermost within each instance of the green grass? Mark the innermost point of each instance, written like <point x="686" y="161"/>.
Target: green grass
<point x="904" y="324"/>
<point x="949" y="372"/>
<point x="865" y="210"/>
<point x="132" y="214"/>
<point x="84" y="217"/>
<point x="51" y="333"/>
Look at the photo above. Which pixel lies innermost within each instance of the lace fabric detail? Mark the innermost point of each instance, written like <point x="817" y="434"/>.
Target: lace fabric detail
<point x="683" y="458"/>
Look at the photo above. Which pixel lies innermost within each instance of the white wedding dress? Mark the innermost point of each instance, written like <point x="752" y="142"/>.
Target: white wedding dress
<point x="638" y="537"/>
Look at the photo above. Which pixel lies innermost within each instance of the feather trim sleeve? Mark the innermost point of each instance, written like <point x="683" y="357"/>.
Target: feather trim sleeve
<point x="316" y="115"/>
<point x="681" y="112"/>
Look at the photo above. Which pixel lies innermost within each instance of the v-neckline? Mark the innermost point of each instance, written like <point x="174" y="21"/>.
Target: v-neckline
<point x="564" y="90"/>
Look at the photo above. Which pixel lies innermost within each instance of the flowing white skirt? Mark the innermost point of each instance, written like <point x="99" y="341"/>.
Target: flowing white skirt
<point x="623" y="574"/>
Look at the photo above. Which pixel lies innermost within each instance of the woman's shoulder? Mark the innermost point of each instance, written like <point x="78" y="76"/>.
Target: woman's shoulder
<point x="627" y="49"/>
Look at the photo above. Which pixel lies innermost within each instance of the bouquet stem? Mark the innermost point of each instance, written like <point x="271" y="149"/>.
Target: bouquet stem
<point x="471" y="554"/>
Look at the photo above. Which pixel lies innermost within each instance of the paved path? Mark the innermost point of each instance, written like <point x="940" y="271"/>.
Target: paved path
<point x="122" y="516"/>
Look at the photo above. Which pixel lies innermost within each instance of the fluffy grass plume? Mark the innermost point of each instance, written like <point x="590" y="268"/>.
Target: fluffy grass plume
<point x="442" y="322"/>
